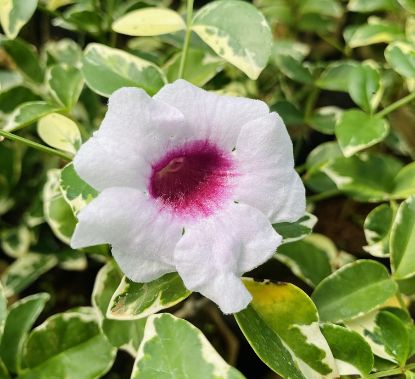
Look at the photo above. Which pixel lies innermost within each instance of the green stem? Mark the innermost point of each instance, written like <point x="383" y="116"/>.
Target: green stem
<point x="394" y="371"/>
<point x="35" y="145"/>
<point x="189" y="18"/>
<point x="397" y="104"/>
<point x="310" y="103"/>
<point x="323" y="195"/>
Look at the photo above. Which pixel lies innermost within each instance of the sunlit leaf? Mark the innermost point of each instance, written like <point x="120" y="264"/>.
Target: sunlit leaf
<point x="375" y="31"/>
<point x="75" y="191"/>
<point x="282" y="326"/>
<point x="137" y="300"/>
<point x="59" y="132"/>
<point x="72" y="347"/>
<point x="28" y="113"/>
<point x="106" y="69"/>
<point x="356" y="130"/>
<point x="65" y="84"/>
<point x="149" y="22"/>
<point x="232" y="28"/>
<point x="14" y="14"/>
<point x="174" y="346"/>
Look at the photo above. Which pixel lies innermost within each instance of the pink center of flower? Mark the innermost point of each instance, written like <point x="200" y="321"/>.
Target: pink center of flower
<point x="192" y="179"/>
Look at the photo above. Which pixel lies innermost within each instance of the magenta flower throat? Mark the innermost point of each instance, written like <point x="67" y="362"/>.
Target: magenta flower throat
<point x="193" y="179"/>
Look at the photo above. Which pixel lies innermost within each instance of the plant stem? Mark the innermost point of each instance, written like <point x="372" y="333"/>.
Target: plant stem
<point x="35" y="145"/>
<point x="323" y="195"/>
<point x="189" y="18"/>
<point x="394" y="371"/>
<point x="310" y="103"/>
<point x="397" y="104"/>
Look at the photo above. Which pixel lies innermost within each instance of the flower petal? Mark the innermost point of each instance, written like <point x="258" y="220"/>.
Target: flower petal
<point x="101" y="167"/>
<point x="210" y="116"/>
<point x="139" y="233"/>
<point x="267" y="179"/>
<point x="135" y="131"/>
<point x="216" y="251"/>
<point x="139" y="269"/>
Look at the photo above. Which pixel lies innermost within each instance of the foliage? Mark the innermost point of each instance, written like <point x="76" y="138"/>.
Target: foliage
<point x="342" y="76"/>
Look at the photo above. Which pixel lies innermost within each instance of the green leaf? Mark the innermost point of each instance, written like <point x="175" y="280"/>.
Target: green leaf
<point x="315" y="178"/>
<point x="324" y="119"/>
<point x="9" y="79"/>
<point x="404" y="182"/>
<point x="173" y="348"/>
<point x="25" y="58"/>
<point x="372" y="6"/>
<point x="356" y="130"/>
<point x="391" y="332"/>
<point x="294" y="69"/>
<point x="233" y="29"/>
<point x="358" y="176"/>
<point x="323" y="7"/>
<point x="57" y="211"/>
<point x="59" y="132"/>
<point x="199" y="69"/>
<point x="82" y="17"/>
<point x="372" y="329"/>
<point x="64" y="51"/>
<point x="75" y="191"/>
<point x="294" y="231"/>
<point x="13" y="97"/>
<point x="52" y="5"/>
<point x="106" y="69"/>
<point x="281" y="325"/>
<point x="402" y="242"/>
<point x="68" y="345"/>
<point x="365" y="87"/>
<point x="309" y="259"/>
<point x="137" y="300"/>
<point x="28" y="113"/>
<point x="354" y="290"/>
<point x="14" y="14"/>
<point x="149" y="22"/>
<point x="288" y="112"/>
<point x="375" y="31"/>
<point x="4" y="373"/>
<point x="65" y="84"/>
<point x="25" y="270"/>
<point x="21" y="317"/>
<point x="377" y="229"/>
<point x="409" y="5"/>
<point x="126" y="334"/>
<point x="16" y="241"/>
<point x="336" y="76"/>
<point x="352" y="353"/>
<point x="401" y="57"/>
<point x="291" y="47"/>
<point x="3" y="310"/>
<point x="71" y="260"/>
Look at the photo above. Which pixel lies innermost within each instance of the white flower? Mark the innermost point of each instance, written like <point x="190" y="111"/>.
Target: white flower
<point x="189" y="181"/>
